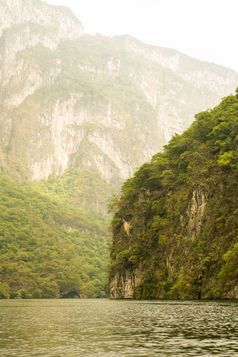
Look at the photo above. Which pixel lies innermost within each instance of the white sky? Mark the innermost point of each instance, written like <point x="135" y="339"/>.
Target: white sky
<point x="205" y="29"/>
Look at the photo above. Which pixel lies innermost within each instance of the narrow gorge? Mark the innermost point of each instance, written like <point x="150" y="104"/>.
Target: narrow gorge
<point x="80" y="114"/>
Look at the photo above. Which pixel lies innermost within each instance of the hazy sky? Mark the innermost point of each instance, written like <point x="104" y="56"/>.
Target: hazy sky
<point x="205" y="29"/>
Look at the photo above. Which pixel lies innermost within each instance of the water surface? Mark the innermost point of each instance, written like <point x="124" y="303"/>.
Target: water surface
<point x="70" y="328"/>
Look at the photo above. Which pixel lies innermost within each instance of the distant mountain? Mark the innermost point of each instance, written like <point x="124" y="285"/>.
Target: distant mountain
<point x="59" y="20"/>
<point x="175" y="227"/>
<point x="82" y="112"/>
<point x="73" y="100"/>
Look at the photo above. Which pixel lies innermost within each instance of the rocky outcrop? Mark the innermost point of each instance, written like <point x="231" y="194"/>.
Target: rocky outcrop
<point x="124" y="286"/>
<point x="15" y="12"/>
<point x="196" y="212"/>
<point x="24" y="25"/>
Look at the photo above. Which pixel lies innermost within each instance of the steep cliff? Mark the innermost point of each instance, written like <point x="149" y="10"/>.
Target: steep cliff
<point x="79" y="114"/>
<point x="70" y="100"/>
<point x="175" y="227"/>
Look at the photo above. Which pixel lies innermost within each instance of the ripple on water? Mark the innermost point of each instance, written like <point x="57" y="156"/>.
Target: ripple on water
<point x="104" y="328"/>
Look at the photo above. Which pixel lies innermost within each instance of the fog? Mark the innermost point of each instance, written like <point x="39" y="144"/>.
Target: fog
<point x="205" y="29"/>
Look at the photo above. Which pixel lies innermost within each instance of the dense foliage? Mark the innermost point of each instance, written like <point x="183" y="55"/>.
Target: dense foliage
<point x="49" y="247"/>
<point x="182" y="215"/>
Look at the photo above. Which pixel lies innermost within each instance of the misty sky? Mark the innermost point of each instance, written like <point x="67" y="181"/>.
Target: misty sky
<point x="205" y="29"/>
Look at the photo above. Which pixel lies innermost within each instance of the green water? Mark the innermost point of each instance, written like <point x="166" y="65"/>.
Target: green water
<point x="55" y="328"/>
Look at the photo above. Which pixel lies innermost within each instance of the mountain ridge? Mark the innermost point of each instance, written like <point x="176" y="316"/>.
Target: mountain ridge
<point x="157" y="95"/>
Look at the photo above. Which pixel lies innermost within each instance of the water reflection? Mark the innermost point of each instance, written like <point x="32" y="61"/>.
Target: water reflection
<point x="55" y="328"/>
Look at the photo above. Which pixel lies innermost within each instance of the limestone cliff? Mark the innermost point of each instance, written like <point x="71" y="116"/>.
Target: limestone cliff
<point x="128" y="282"/>
<point x="182" y="212"/>
<point x="123" y="286"/>
<point x="70" y="100"/>
<point x="16" y="12"/>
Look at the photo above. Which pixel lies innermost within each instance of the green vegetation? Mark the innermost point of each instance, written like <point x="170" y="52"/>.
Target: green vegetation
<point x="100" y="103"/>
<point x="49" y="247"/>
<point x="182" y="212"/>
<point x="84" y="189"/>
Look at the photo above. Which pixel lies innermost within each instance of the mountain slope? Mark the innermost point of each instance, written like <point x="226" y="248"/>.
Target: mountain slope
<point x="79" y="114"/>
<point x="91" y="101"/>
<point x="49" y="248"/>
<point x="175" y="227"/>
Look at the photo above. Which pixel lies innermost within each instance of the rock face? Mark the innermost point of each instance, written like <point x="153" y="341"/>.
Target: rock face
<point x="196" y="213"/>
<point x="182" y="212"/>
<point x="127" y="283"/>
<point x="70" y="100"/>
<point x="21" y="12"/>
<point x="123" y="286"/>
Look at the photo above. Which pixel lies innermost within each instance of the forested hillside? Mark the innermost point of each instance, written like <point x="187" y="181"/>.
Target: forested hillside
<point x="175" y="229"/>
<point x="49" y="247"/>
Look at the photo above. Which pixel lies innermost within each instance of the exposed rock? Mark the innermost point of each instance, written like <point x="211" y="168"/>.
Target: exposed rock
<point x="123" y="286"/>
<point x="90" y="101"/>
<point x="14" y="12"/>
<point x="196" y="212"/>
<point x="127" y="227"/>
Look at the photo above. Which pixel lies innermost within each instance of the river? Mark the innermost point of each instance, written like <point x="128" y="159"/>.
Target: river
<point x="75" y="328"/>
